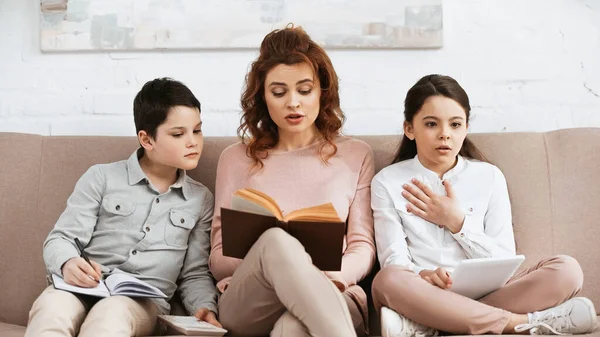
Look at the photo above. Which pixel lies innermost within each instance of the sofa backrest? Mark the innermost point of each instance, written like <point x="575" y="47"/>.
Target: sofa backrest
<point x="551" y="180"/>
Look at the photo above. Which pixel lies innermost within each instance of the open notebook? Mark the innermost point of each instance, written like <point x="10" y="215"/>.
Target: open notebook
<point x="115" y="284"/>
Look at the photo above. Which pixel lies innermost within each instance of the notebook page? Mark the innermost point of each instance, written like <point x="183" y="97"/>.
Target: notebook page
<point x="123" y="284"/>
<point x="100" y="290"/>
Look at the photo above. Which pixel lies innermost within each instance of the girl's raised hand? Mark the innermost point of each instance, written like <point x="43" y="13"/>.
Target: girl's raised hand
<point x="442" y="210"/>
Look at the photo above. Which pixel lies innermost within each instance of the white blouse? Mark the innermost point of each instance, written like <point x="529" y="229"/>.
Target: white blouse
<point x="407" y="240"/>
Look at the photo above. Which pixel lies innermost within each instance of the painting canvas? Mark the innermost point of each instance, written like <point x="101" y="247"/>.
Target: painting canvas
<point x="75" y="25"/>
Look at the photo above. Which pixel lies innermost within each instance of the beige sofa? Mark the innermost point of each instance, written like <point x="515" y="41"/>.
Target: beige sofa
<point x="552" y="179"/>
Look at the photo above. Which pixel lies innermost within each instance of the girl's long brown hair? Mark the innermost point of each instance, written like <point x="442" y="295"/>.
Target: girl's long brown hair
<point x="435" y="85"/>
<point x="288" y="46"/>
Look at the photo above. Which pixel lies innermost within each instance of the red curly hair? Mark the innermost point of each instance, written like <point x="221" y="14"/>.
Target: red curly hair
<point x="288" y="46"/>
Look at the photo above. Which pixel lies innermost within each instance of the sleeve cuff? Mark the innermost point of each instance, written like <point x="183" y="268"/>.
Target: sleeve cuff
<point x="208" y="305"/>
<point x="59" y="260"/>
<point x="208" y="301"/>
<point x="471" y="241"/>
<point x="462" y="234"/>
<point x="416" y="269"/>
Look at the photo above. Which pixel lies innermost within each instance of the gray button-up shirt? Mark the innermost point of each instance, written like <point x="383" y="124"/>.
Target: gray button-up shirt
<point x="127" y="226"/>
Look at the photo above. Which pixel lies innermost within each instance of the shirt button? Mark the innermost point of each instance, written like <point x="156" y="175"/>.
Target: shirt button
<point x="157" y="200"/>
<point x="133" y="252"/>
<point x="118" y="207"/>
<point x="462" y="235"/>
<point x="471" y="209"/>
<point x="147" y="229"/>
<point x="440" y="226"/>
<point x="182" y="220"/>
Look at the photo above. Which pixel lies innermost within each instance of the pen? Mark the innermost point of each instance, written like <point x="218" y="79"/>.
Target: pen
<point x="84" y="256"/>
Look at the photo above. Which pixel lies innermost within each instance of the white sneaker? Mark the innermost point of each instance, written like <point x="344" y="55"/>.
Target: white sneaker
<point x="575" y="316"/>
<point x="396" y="325"/>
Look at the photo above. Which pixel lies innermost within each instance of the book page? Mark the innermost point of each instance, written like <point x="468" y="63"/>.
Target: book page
<point x="322" y="213"/>
<point x="99" y="291"/>
<point x="127" y="285"/>
<point x="260" y="200"/>
<point x="240" y="204"/>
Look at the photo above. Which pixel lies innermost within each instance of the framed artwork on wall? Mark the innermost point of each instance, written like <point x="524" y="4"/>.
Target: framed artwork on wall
<point x="109" y="25"/>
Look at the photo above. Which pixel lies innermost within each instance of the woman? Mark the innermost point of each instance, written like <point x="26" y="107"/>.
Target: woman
<point x="292" y="150"/>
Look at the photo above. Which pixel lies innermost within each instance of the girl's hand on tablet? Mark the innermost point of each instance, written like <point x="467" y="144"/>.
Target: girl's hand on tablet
<point x="439" y="277"/>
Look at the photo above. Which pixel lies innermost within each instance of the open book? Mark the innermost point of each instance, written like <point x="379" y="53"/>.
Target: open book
<point x="319" y="228"/>
<point x="191" y="326"/>
<point x="115" y="284"/>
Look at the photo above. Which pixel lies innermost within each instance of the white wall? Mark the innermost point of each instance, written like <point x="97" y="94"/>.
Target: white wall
<point x="528" y="65"/>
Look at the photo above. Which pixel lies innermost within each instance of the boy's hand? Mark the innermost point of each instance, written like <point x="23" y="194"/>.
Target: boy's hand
<point x="207" y="316"/>
<point x="442" y="210"/>
<point x="79" y="273"/>
<point x="439" y="277"/>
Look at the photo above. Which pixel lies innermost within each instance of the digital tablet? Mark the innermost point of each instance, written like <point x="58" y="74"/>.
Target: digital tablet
<point x="475" y="278"/>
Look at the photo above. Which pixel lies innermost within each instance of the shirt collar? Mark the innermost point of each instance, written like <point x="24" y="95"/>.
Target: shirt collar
<point x="134" y="170"/>
<point x="451" y="173"/>
<point x="182" y="184"/>
<point x="135" y="174"/>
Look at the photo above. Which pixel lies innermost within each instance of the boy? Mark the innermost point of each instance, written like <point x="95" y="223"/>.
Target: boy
<point x="142" y="216"/>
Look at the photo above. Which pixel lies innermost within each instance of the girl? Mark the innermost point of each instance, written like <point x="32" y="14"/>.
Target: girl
<point x="439" y="203"/>
<point x="292" y="150"/>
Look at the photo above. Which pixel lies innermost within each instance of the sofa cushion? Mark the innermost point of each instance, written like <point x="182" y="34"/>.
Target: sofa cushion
<point x="551" y="180"/>
<point x="20" y="255"/>
<point x="574" y="169"/>
<point x="11" y="330"/>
